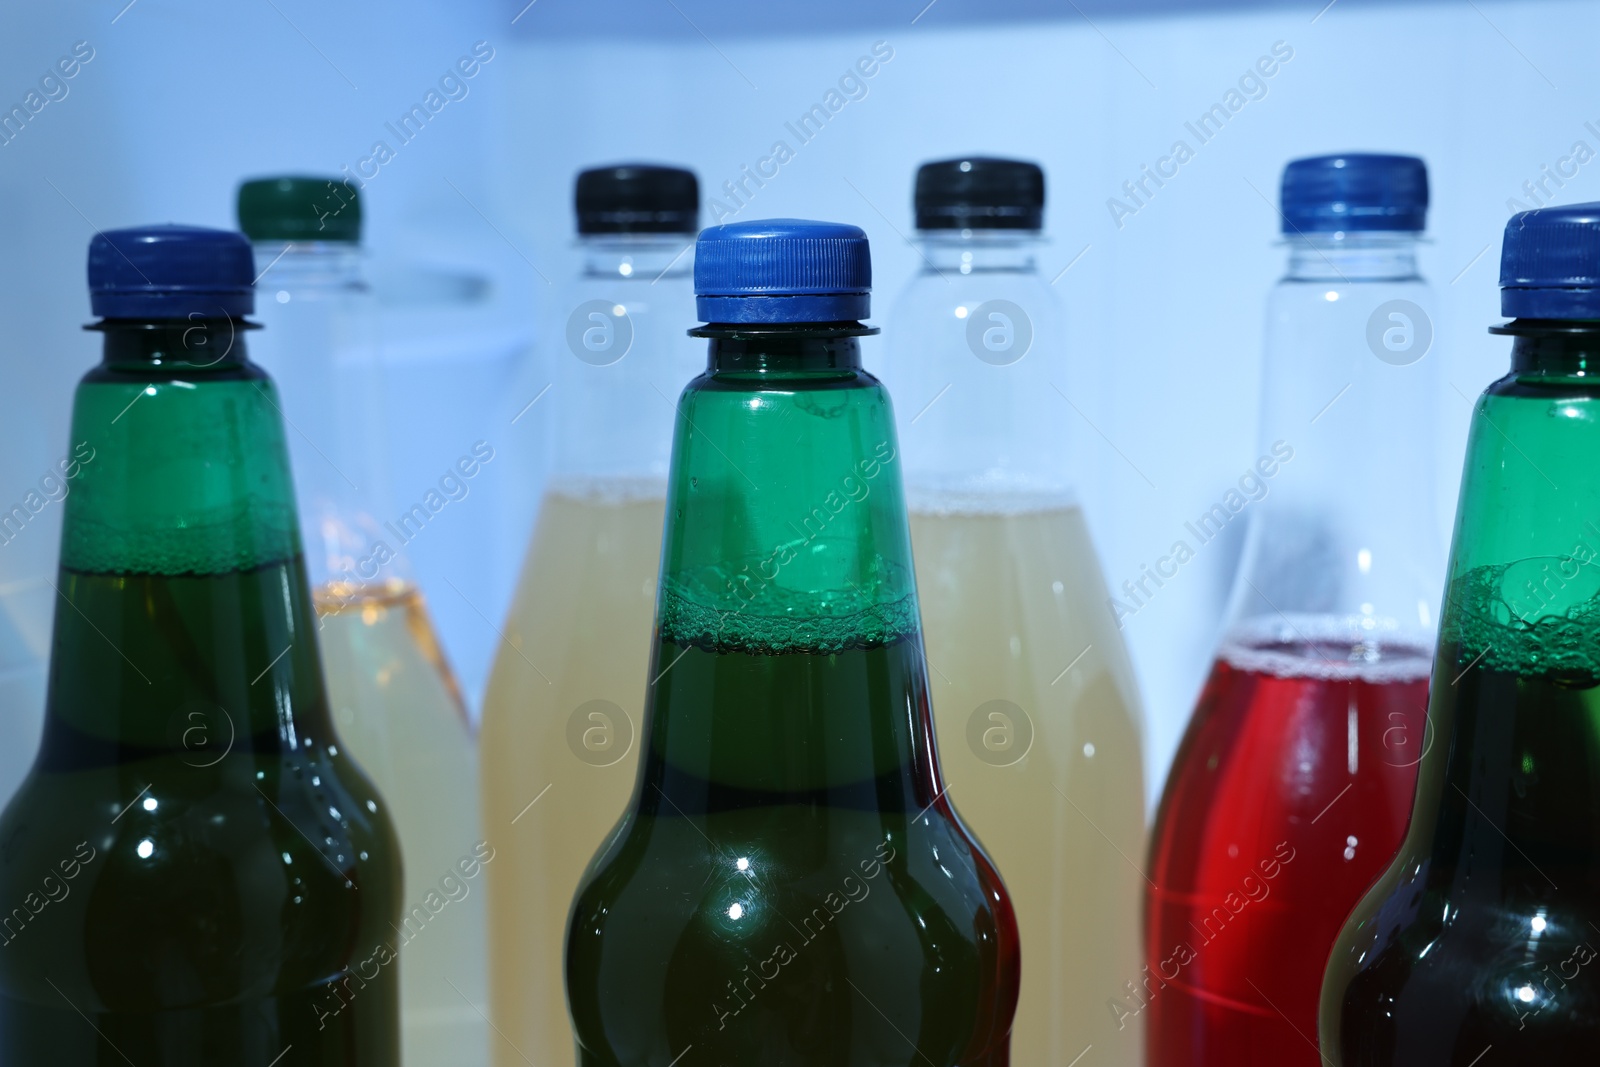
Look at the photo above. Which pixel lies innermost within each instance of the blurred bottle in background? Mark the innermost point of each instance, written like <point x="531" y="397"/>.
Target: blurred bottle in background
<point x="1293" y="784"/>
<point x="196" y="871"/>
<point x="566" y="696"/>
<point x="394" y="699"/>
<point x="1483" y="931"/>
<point x="1033" y="693"/>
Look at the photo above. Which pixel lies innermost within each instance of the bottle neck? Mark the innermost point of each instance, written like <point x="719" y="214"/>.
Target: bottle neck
<point x="787" y="605"/>
<point x="1353" y="257"/>
<point x="979" y="251"/>
<point x="319" y="342"/>
<point x="980" y="360"/>
<point x="307" y="266"/>
<point x="1529" y="513"/>
<point x="1506" y="788"/>
<point x="619" y="355"/>
<point x="195" y="476"/>
<point x="210" y="349"/>
<point x="825" y="491"/>
<point x="643" y="256"/>
<point x="1550" y="349"/>
<point x="778" y="353"/>
<point x="180" y="554"/>
<point x="1343" y="537"/>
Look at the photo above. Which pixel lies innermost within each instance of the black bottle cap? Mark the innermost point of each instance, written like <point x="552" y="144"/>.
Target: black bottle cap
<point x="637" y="198"/>
<point x="976" y="193"/>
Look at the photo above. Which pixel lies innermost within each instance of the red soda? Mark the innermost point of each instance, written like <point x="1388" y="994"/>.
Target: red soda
<point x="1289" y="796"/>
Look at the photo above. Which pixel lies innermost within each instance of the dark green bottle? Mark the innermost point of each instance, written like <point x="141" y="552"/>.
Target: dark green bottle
<point x="790" y="885"/>
<point x="192" y="873"/>
<point x="1481" y="943"/>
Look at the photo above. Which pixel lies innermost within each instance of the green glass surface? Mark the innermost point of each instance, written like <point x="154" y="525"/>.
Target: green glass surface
<point x="790" y="884"/>
<point x="1481" y="939"/>
<point x="192" y="872"/>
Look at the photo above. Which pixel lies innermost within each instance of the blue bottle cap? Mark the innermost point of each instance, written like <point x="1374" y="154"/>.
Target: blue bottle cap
<point x="170" y="272"/>
<point x="1550" y="263"/>
<point x="782" y="270"/>
<point x="1354" y="191"/>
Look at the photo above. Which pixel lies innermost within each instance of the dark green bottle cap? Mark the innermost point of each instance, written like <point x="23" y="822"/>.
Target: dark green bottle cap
<point x="300" y="208"/>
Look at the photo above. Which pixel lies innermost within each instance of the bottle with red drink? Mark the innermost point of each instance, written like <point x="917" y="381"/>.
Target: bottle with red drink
<point x="1293" y="785"/>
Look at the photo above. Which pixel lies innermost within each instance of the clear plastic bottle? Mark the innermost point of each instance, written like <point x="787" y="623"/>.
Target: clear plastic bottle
<point x="395" y="702"/>
<point x="1293" y="784"/>
<point x="1033" y="694"/>
<point x="566" y="697"/>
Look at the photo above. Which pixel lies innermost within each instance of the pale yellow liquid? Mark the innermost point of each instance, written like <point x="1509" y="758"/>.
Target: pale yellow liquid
<point x="578" y="631"/>
<point x="1009" y="600"/>
<point x="398" y="712"/>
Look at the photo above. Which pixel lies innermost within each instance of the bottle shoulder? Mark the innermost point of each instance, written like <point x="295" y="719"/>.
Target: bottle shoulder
<point x="1418" y="968"/>
<point x="670" y="908"/>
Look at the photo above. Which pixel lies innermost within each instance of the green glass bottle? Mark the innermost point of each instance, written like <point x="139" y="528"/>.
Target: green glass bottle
<point x="1479" y="944"/>
<point x="790" y="885"/>
<point x="193" y="872"/>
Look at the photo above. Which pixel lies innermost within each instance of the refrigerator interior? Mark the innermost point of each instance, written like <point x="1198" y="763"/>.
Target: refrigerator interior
<point x="470" y="222"/>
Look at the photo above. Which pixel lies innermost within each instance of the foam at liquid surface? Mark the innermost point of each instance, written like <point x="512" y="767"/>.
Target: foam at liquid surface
<point x="609" y="491"/>
<point x="1330" y="648"/>
<point x="256" y="535"/>
<point x="986" y="498"/>
<point x="779" y="622"/>
<point x="868" y="625"/>
<point x="1492" y="632"/>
